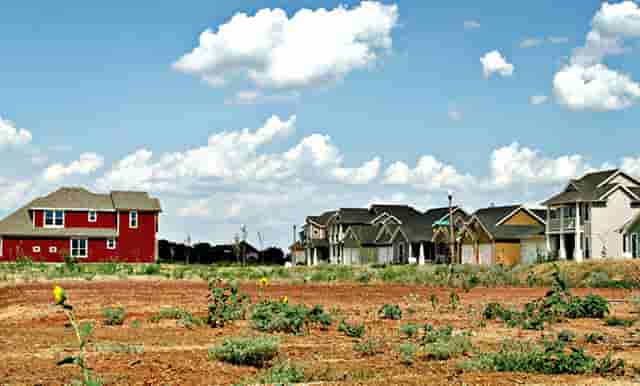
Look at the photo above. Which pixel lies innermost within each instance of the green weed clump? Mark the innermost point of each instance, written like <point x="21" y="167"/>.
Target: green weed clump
<point x="114" y="315"/>
<point x="409" y="330"/>
<point x="351" y="330"/>
<point x="443" y="344"/>
<point x="619" y="322"/>
<point x="251" y="351"/>
<point x="183" y="317"/>
<point x="281" y="373"/>
<point x="226" y="303"/>
<point x="551" y="357"/>
<point x="390" y="311"/>
<point x="273" y="316"/>
<point x="369" y="347"/>
<point x="407" y="353"/>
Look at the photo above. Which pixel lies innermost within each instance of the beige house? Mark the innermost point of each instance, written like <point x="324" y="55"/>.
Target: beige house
<point x="585" y="219"/>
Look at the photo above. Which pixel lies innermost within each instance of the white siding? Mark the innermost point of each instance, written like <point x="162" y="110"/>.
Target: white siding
<point x="605" y="221"/>
<point x="467" y="254"/>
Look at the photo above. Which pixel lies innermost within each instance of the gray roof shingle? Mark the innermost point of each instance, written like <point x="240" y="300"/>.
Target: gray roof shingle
<point x="489" y="217"/>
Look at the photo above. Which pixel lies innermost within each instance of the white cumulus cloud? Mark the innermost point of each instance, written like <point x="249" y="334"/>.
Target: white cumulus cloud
<point x="12" y="136"/>
<point x="494" y="63"/>
<point x="312" y="47"/>
<point x="586" y="83"/>
<point x="537" y="99"/>
<point x="428" y="174"/>
<point x="471" y="24"/>
<point x="86" y="164"/>
<point x="530" y="42"/>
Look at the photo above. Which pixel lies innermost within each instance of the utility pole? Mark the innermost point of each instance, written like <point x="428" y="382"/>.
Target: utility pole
<point x="243" y="229"/>
<point x="188" y="249"/>
<point x="452" y="239"/>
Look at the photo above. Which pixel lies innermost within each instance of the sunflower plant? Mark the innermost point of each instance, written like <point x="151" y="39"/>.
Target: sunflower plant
<point x="83" y="332"/>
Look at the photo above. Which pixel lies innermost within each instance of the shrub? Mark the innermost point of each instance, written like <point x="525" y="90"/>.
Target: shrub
<point x="454" y="300"/>
<point x="364" y="277"/>
<point x="272" y="316"/>
<point x="591" y="306"/>
<point x="442" y="344"/>
<point x="254" y="351"/>
<point x="281" y="373"/>
<point x="114" y="315"/>
<point x="318" y="315"/>
<point x="226" y="303"/>
<point x="351" y="330"/>
<point x="369" y="347"/>
<point x="566" y="336"/>
<point x="407" y="353"/>
<point x="594" y="338"/>
<point x="183" y="317"/>
<point x="410" y="330"/>
<point x="550" y="358"/>
<point x="619" y="322"/>
<point x="390" y="311"/>
<point x="151" y="269"/>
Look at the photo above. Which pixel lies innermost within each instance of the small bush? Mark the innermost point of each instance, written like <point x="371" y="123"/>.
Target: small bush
<point x="409" y="330"/>
<point x="282" y="373"/>
<point x="442" y="344"/>
<point x="407" y="353"/>
<point x="254" y="351"/>
<point x="552" y="357"/>
<point x="351" y="330"/>
<point x="369" y="347"/>
<point x="114" y="315"/>
<point x="619" y="322"/>
<point x="390" y="311"/>
<point x="594" y="338"/>
<point x="183" y="317"/>
<point x="226" y="303"/>
<point x="566" y="336"/>
<point x="318" y="315"/>
<point x="272" y="316"/>
<point x="591" y="306"/>
<point x="364" y="277"/>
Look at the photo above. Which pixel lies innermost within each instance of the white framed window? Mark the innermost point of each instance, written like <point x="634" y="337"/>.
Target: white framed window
<point x="36" y="249"/>
<point x="111" y="243"/>
<point x="635" y="247"/>
<point x="53" y="249"/>
<point x="93" y="216"/>
<point x="79" y="248"/>
<point x="54" y="218"/>
<point x="133" y="219"/>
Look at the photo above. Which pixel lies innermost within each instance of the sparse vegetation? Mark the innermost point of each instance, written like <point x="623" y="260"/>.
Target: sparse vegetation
<point x="114" y="315"/>
<point x="369" y="347"/>
<point x="183" y="317"/>
<point x="226" y="303"/>
<point x="390" y="311"/>
<point x="351" y="330"/>
<point x="251" y="351"/>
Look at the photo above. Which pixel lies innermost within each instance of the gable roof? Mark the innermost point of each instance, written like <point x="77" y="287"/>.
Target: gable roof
<point x="353" y="216"/>
<point x="590" y="187"/>
<point x="322" y="219"/>
<point x="20" y="222"/>
<point x="491" y="217"/>
<point x="365" y="234"/>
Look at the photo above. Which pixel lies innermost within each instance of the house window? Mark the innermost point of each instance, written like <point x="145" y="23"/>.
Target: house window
<point x="553" y="213"/>
<point x="53" y="249"/>
<point x="586" y="212"/>
<point x="570" y="212"/>
<point x="111" y="243"/>
<point x="54" y="218"/>
<point x="36" y="249"/>
<point x="133" y="219"/>
<point x="93" y="216"/>
<point x="635" y="248"/>
<point x="79" y="247"/>
<point x="587" y="247"/>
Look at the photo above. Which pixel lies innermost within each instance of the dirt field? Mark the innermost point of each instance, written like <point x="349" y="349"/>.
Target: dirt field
<point x="33" y="335"/>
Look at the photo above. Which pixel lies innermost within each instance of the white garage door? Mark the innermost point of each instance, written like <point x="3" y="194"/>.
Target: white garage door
<point x="530" y="250"/>
<point x="485" y="254"/>
<point x="467" y="254"/>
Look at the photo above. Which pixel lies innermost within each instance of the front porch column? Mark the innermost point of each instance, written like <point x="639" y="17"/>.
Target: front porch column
<point x="563" y="250"/>
<point x="549" y="247"/>
<point x="309" y="256"/>
<point x="577" y="251"/>
<point x="315" y="256"/>
<point x="421" y="256"/>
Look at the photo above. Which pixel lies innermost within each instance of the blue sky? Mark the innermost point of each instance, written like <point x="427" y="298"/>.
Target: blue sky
<point x="93" y="85"/>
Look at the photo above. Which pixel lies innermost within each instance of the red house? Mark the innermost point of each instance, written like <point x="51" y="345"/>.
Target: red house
<point x="91" y="227"/>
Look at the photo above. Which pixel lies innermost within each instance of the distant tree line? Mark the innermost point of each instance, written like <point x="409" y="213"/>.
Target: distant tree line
<point x="205" y="253"/>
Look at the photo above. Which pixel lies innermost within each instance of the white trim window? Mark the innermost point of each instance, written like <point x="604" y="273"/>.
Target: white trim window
<point x="133" y="219"/>
<point x="111" y="244"/>
<point x="79" y="248"/>
<point x="92" y="216"/>
<point x="36" y="249"/>
<point x="53" y="249"/>
<point x="635" y="246"/>
<point x="54" y="218"/>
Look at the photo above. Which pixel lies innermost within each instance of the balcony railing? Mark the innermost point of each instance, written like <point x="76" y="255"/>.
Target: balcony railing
<point x="567" y="224"/>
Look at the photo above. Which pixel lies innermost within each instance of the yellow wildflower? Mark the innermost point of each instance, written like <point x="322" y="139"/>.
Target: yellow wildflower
<point x="285" y="300"/>
<point x="264" y="282"/>
<point x="59" y="295"/>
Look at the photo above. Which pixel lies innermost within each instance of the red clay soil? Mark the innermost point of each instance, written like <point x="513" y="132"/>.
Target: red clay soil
<point x="33" y="334"/>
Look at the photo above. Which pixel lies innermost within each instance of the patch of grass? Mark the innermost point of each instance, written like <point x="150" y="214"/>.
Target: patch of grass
<point x="281" y="373"/>
<point x="443" y="344"/>
<point x="119" y="348"/>
<point x="351" y="330"/>
<point x="272" y="316"/>
<point x="369" y="347"/>
<point x="114" y="315"/>
<point x="407" y="352"/>
<point x="251" y="351"/>
<point x="552" y="357"/>
<point x="594" y="338"/>
<point x="183" y="317"/>
<point x="409" y="330"/>
<point x="615" y="321"/>
<point x="390" y="311"/>
<point x="567" y="336"/>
